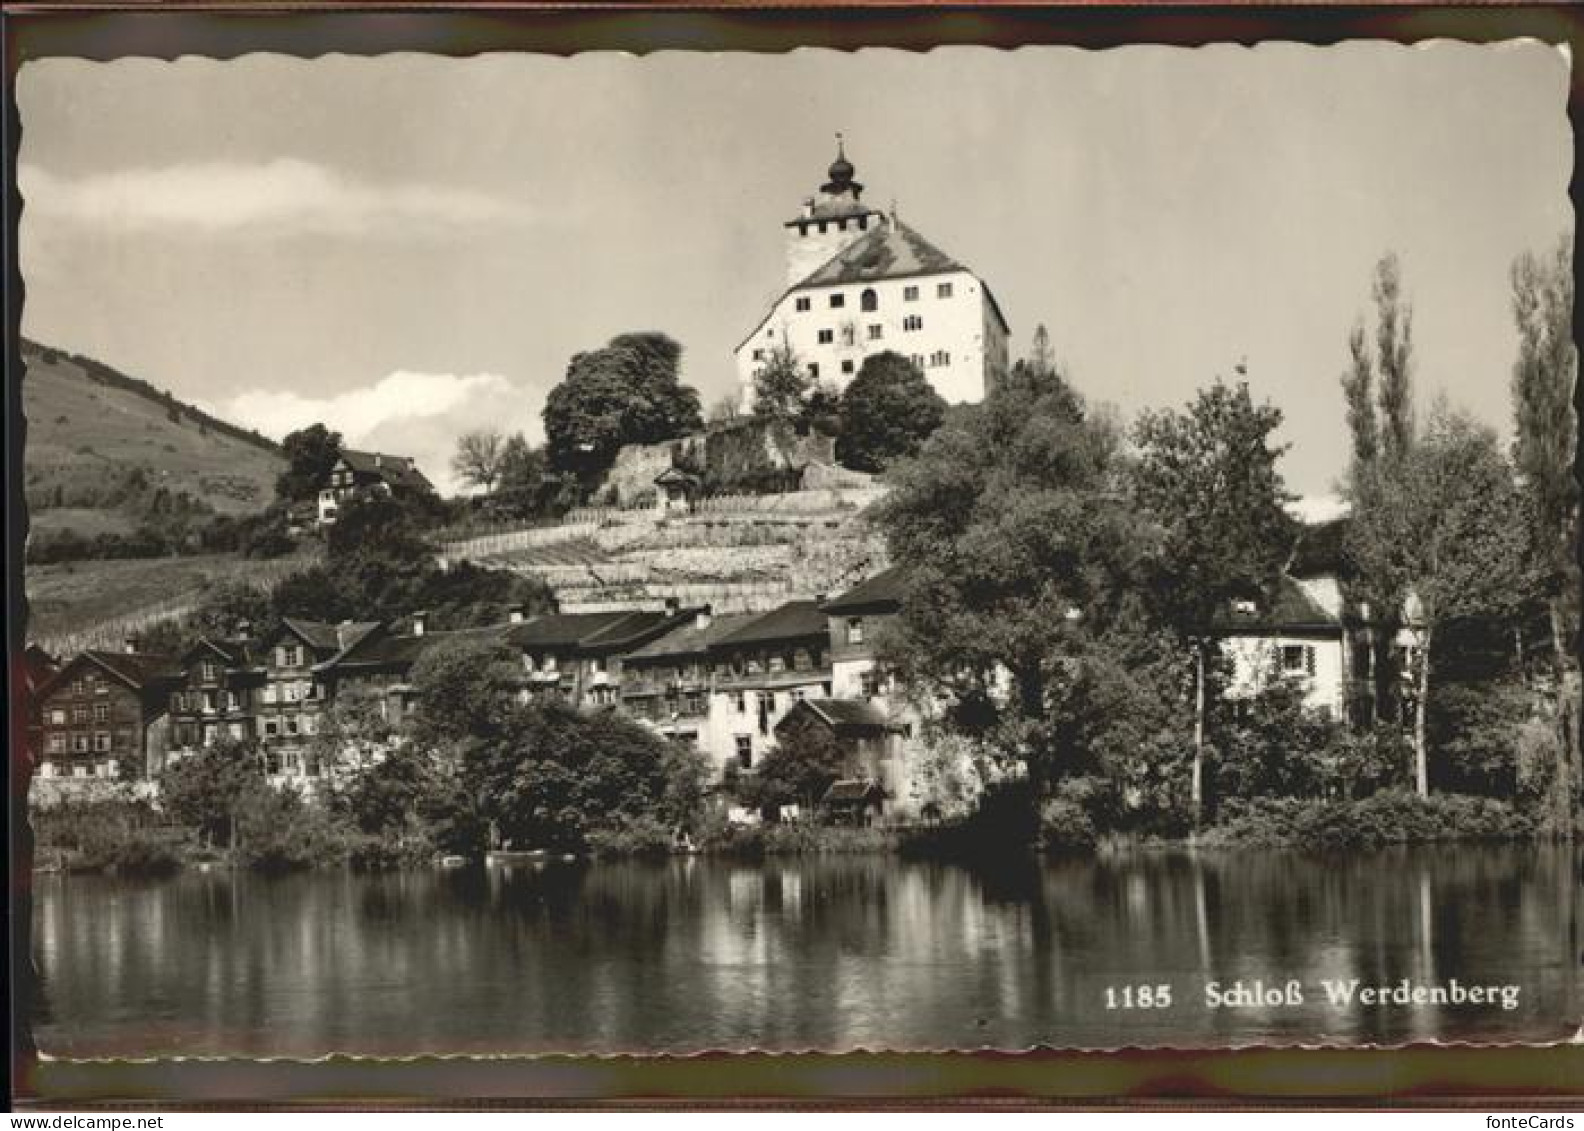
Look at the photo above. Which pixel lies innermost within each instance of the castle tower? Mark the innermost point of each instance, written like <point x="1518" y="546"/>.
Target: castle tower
<point x="829" y="222"/>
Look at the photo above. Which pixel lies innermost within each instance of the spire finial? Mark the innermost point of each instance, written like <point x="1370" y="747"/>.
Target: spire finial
<point x="841" y="148"/>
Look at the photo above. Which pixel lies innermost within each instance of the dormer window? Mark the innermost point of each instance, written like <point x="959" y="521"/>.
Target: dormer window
<point x="1244" y="607"/>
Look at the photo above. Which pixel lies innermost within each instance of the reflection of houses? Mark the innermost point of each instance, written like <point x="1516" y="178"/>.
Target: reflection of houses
<point x="869" y="740"/>
<point x="104" y="714"/>
<point x="761" y="669"/>
<point x="368" y="473"/>
<point x="667" y="681"/>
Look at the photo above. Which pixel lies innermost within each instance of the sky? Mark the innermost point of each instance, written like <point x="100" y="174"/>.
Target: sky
<point x="406" y="246"/>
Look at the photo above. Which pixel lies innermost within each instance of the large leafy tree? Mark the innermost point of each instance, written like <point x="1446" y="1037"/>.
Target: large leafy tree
<point x="1547" y="431"/>
<point x="1378" y="389"/>
<point x="1443" y="528"/>
<point x="1019" y="558"/>
<point x="1207" y="475"/>
<point x="479" y="458"/>
<point x="209" y="789"/>
<point x="887" y="412"/>
<point x="310" y="454"/>
<point x="780" y="384"/>
<point x="626" y="392"/>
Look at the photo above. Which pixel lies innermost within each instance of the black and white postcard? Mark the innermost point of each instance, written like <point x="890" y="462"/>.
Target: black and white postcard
<point x="800" y="551"/>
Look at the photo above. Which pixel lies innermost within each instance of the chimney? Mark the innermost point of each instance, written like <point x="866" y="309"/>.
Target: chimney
<point x="701" y="619"/>
<point x="418" y="621"/>
<point x="515" y="614"/>
<point x="131" y="644"/>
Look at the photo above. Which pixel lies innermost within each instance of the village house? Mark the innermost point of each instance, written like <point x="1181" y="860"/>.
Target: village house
<point x="860" y="282"/>
<point x="292" y="695"/>
<point x="667" y="682"/>
<point x="579" y="656"/>
<point x="855" y="619"/>
<point x="1290" y="638"/>
<point x="104" y="715"/>
<point x="760" y="670"/>
<point x="214" y="698"/>
<point x="356" y="474"/>
<point x="871" y="742"/>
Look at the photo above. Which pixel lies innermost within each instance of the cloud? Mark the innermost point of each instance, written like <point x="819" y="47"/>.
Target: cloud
<point x="283" y="195"/>
<point x="413" y="414"/>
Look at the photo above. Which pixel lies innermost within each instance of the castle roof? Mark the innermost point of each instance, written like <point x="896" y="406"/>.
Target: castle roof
<point x="891" y="251"/>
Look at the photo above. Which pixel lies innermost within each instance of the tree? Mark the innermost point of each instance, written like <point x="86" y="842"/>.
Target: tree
<point x="528" y="487"/>
<point x="886" y="413"/>
<point x="1208" y="478"/>
<point x="466" y="690"/>
<point x="1019" y="559"/>
<point x="1440" y="526"/>
<point x="626" y="392"/>
<point x="310" y="454"/>
<point x="1543" y="377"/>
<point x="780" y="384"/>
<point x="479" y="458"/>
<point x="798" y="769"/>
<point x="1378" y="389"/>
<point x="209" y="788"/>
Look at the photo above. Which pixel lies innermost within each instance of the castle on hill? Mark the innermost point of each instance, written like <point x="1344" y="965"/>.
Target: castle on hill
<point x="860" y="282"/>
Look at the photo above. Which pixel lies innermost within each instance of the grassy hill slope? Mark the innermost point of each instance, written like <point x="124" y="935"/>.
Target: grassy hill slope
<point x="100" y="442"/>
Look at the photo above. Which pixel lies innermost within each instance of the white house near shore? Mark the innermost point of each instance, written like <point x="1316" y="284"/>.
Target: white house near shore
<point x="860" y="282"/>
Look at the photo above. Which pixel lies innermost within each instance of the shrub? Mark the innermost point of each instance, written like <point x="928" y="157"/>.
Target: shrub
<point x="278" y="831"/>
<point x="127" y="851"/>
<point x="1389" y="817"/>
<point x="1065" y="827"/>
<point x="635" y="836"/>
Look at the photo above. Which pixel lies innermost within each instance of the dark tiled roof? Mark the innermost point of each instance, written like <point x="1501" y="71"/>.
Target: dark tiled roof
<point x="399" y="471"/>
<point x="792" y="621"/>
<point x="404" y="651"/>
<point x="330" y="637"/>
<point x="569" y="629"/>
<point x="853" y="789"/>
<point x="234" y="652"/>
<point x="891" y="251"/>
<point x="881" y="592"/>
<point x="1292" y="609"/>
<point x="689" y="639"/>
<point x="139" y="670"/>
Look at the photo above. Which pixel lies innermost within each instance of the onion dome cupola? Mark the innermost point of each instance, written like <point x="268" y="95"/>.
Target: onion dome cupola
<point x="841" y="174"/>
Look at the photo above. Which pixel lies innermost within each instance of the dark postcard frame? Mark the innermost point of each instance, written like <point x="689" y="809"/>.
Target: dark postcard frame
<point x="1548" y="1077"/>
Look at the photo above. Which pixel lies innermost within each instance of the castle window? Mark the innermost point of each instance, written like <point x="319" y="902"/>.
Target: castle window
<point x="909" y="294"/>
<point x="875" y="331"/>
<point x="814" y="370"/>
<point x="849" y="334"/>
<point x="838" y="301"/>
<point x="869" y="300"/>
<point x="826" y="337"/>
<point x="847" y="366"/>
<point x="940" y="357"/>
<point x="823" y="226"/>
<point x="912" y="322"/>
<point x="863" y="222"/>
<point x="803" y="303"/>
<point x="943" y="290"/>
<point x="758" y="355"/>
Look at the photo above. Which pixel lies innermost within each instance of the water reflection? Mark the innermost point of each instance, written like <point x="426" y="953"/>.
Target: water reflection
<point x="829" y="953"/>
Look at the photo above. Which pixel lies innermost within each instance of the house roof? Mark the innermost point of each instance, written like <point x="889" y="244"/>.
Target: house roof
<point x="399" y="471"/>
<point x="794" y="620"/>
<point x="1321" y="549"/>
<point x="853" y="789"/>
<point x="323" y="637"/>
<point x="677" y="475"/>
<point x="882" y="592"/>
<point x="845" y="716"/>
<point x="403" y="651"/>
<point x="233" y="652"/>
<point x="138" y="670"/>
<point x="594" y="631"/>
<point x="891" y="251"/>
<point x="689" y="639"/>
<point x="1291" y="610"/>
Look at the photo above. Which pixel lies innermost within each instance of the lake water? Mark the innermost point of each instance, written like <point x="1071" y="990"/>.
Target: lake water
<point x="810" y="953"/>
